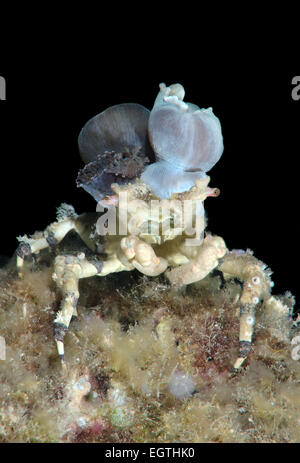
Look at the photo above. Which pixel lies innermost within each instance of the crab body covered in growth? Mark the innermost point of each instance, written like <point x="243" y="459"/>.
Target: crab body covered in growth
<point x="147" y="172"/>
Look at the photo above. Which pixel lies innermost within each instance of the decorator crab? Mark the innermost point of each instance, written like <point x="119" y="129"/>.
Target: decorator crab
<point x="147" y="172"/>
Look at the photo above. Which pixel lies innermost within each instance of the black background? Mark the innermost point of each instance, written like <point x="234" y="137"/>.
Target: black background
<point x="50" y="97"/>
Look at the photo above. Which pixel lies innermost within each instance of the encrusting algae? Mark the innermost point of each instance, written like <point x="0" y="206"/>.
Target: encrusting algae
<point x="145" y="363"/>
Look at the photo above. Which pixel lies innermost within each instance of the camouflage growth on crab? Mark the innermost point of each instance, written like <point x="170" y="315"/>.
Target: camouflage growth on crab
<point x="155" y="211"/>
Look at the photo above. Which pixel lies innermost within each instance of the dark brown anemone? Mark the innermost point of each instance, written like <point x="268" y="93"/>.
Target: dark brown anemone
<point x="114" y="145"/>
<point x="111" y="167"/>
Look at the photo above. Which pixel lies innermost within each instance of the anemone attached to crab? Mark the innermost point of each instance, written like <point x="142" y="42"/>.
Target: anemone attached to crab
<point x="148" y="173"/>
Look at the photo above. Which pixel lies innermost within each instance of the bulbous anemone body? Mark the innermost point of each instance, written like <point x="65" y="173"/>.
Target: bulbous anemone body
<point x="115" y="147"/>
<point x="118" y="127"/>
<point x="164" y="179"/>
<point x="187" y="142"/>
<point x="188" y="139"/>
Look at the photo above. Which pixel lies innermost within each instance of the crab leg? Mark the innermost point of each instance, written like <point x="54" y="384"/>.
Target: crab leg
<point x="256" y="286"/>
<point x="53" y="234"/>
<point x="27" y="247"/>
<point x="247" y="320"/>
<point x="67" y="272"/>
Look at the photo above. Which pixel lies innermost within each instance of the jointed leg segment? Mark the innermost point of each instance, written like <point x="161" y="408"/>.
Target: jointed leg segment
<point x="67" y="272"/>
<point x="256" y="286"/>
<point x="68" y="269"/>
<point x="51" y="237"/>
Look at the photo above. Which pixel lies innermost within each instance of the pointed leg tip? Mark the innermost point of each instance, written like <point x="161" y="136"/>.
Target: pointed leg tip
<point x="62" y="362"/>
<point x="238" y="363"/>
<point x="20" y="273"/>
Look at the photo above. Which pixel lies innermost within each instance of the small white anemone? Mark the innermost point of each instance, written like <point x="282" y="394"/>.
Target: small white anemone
<point x="181" y="385"/>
